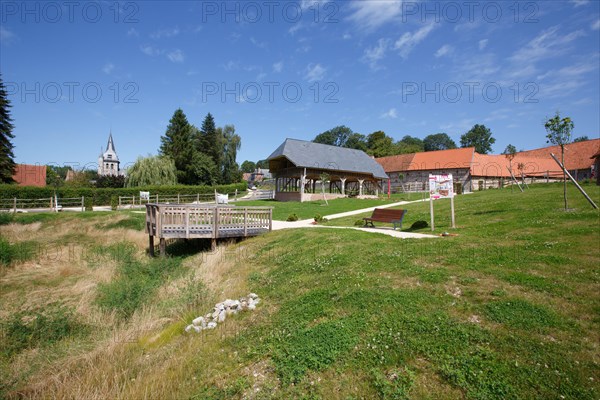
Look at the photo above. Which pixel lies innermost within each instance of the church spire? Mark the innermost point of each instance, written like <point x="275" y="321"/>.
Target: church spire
<point x="110" y="145"/>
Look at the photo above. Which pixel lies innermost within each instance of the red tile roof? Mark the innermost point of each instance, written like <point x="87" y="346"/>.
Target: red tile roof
<point x="441" y="159"/>
<point x="535" y="162"/>
<point x="577" y="155"/>
<point x="30" y="175"/>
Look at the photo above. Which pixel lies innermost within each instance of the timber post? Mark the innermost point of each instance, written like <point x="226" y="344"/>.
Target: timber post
<point x="163" y="247"/>
<point x="151" y="245"/>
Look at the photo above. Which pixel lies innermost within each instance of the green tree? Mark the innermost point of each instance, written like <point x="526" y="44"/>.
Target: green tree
<point x="409" y="144"/>
<point x="204" y="169"/>
<point x="177" y="145"/>
<point x="438" y="141"/>
<point x="356" y="141"/>
<point x="581" y="139"/>
<point x="559" y="133"/>
<point x="381" y="145"/>
<point x="262" y="164"/>
<point x="7" y="163"/>
<point x="509" y="152"/>
<point x="337" y="136"/>
<point x="231" y="144"/>
<point x="479" y="137"/>
<point x="152" y="171"/>
<point x="210" y="142"/>
<point x="248" y="166"/>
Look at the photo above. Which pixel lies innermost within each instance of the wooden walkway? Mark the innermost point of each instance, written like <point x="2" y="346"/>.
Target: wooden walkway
<point x="194" y="221"/>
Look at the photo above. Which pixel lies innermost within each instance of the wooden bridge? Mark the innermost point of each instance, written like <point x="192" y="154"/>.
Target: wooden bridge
<point x="193" y="221"/>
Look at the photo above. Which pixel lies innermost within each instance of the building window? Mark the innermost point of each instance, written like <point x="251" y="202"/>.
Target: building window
<point x="109" y="156"/>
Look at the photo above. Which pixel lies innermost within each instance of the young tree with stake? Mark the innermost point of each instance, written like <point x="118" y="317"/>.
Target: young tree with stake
<point x="559" y="133"/>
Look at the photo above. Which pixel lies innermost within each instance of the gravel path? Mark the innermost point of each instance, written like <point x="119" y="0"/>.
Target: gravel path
<point x="307" y="223"/>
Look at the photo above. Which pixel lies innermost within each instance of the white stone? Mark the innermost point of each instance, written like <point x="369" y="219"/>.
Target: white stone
<point x="251" y="306"/>
<point x="198" y="321"/>
<point x="222" y="316"/>
<point x="253" y="295"/>
<point x="211" y="325"/>
<point x="197" y="328"/>
<point x="189" y="328"/>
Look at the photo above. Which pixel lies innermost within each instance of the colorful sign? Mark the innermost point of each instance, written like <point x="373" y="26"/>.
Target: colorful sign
<point x="441" y="186"/>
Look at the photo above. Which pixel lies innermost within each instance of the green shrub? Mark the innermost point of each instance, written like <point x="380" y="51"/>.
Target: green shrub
<point x="88" y="202"/>
<point x="292" y="217"/>
<point x="319" y="218"/>
<point x="114" y="203"/>
<point x="102" y="196"/>
<point x="359" y="222"/>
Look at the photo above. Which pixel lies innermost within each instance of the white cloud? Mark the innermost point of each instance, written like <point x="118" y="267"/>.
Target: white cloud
<point x="314" y="72"/>
<point x="347" y="36"/>
<point x="596" y="25"/>
<point x="231" y="65"/>
<point x="6" y="36"/>
<point x="483" y="44"/>
<point x="578" y="3"/>
<point x="108" y="68"/>
<point x="373" y="55"/>
<point x="165" y="33"/>
<point x="295" y="28"/>
<point x="278" y="66"/>
<point x="150" y="51"/>
<point x="444" y="51"/>
<point x="176" y="56"/>
<point x="391" y="113"/>
<point x="133" y="32"/>
<point x="409" y="40"/>
<point x="260" y="45"/>
<point x="372" y="14"/>
<point x="547" y="44"/>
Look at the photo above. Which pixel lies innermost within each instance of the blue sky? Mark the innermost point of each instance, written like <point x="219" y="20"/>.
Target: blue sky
<point x="277" y="69"/>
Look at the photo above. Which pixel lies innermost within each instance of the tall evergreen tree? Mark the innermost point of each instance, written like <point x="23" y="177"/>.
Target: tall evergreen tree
<point x="177" y="144"/>
<point x="7" y="163"/>
<point x="210" y="142"/>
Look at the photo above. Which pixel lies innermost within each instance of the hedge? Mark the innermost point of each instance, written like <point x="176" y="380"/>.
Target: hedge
<point x="102" y="196"/>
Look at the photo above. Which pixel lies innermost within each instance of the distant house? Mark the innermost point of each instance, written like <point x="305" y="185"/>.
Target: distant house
<point x="298" y="166"/>
<point x="30" y="175"/>
<point x="474" y="171"/>
<point x="596" y="172"/>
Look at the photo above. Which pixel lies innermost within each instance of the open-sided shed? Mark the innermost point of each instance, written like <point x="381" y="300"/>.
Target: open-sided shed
<point x="298" y="166"/>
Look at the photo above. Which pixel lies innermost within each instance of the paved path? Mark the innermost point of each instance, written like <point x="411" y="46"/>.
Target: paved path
<point x="307" y="223"/>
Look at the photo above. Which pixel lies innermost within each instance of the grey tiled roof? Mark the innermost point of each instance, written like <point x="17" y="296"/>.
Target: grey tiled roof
<point x="305" y="154"/>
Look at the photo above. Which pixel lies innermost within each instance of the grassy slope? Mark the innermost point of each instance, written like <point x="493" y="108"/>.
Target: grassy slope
<point x="281" y="210"/>
<point x="509" y="308"/>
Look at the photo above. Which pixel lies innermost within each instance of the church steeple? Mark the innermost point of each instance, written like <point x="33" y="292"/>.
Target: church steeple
<point x="108" y="162"/>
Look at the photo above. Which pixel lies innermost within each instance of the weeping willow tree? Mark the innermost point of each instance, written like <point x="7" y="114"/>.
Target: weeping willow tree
<point x="152" y="171"/>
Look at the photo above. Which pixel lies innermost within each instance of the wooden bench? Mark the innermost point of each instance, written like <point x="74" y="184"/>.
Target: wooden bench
<point x="386" y="215"/>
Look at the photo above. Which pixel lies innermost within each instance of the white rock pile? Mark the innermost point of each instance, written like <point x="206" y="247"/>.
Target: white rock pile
<point x="221" y="311"/>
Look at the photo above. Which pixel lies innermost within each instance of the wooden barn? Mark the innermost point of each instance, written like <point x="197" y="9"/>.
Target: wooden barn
<point x="300" y="167"/>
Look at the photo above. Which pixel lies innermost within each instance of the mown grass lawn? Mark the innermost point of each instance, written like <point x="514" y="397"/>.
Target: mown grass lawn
<point x="507" y="309"/>
<point x="307" y="210"/>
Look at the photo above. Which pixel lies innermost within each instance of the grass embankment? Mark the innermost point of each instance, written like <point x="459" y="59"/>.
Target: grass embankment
<point x="509" y="308"/>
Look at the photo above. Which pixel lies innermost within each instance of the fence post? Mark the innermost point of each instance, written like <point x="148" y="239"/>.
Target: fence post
<point x="198" y="198"/>
<point x="15" y="206"/>
<point x="119" y="201"/>
<point x="178" y="202"/>
<point x="82" y="204"/>
<point x="235" y="198"/>
<point x="157" y="198"/>
<point x="51" y="207"/>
